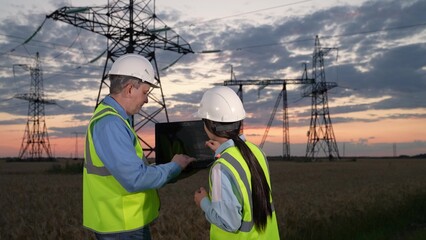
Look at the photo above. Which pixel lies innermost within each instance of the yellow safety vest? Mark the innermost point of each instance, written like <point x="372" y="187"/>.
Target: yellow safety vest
<point x="107" y="206"/>
<point x="234" y="161"/>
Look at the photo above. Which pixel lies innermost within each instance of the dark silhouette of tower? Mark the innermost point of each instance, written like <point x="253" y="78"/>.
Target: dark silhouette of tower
<point x="283" y="95"/>
<point x="321" y="140"/>
<point x="130" y="27"/>
<point x="35" y="143"/>
<point x="76" y="153"/>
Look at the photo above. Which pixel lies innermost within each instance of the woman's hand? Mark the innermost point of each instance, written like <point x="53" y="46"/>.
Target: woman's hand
<point x="213" y="145"/>
<point x="199" y="195"/>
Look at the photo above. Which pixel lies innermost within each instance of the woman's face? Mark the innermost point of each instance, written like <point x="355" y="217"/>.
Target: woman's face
<point x="209" y="134"/>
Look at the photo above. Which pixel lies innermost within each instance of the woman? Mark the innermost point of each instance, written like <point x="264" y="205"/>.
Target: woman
<point x="239" y="204"/>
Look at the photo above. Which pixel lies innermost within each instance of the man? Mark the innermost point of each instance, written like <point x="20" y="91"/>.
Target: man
<point x="120" y="199"/>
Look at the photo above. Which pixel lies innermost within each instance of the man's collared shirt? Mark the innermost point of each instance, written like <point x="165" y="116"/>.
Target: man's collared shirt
<point x="113" y="142"/>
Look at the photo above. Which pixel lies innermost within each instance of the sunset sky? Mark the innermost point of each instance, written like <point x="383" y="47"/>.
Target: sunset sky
<point x="379" y="66"/>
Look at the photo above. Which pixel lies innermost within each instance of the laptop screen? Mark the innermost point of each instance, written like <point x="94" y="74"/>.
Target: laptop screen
<point x="186" y="137"/>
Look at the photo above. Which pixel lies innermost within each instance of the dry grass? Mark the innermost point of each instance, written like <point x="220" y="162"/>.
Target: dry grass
<point x="308" y="197"/>
<point x="316" y="195"/>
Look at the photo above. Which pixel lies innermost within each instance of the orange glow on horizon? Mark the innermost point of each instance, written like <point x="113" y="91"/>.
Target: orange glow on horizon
<point x="385" y="131"/>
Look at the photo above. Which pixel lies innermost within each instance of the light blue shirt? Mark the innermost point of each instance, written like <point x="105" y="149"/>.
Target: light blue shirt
<point x="113" y="142"/>
<point x="225" y="208"/>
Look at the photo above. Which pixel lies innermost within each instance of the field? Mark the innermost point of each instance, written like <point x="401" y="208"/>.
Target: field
<point x="362" y="199"/>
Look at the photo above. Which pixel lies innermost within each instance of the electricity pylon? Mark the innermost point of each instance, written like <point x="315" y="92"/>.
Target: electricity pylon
<point x="76" y="144"/>
<point x="321" y="139"/>
<point x="283" y="94"/>
<point x="35" y="143"/>
<point x="130" y="27"/>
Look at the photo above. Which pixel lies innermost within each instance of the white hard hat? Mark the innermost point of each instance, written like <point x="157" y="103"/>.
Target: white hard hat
<point x="221" y="104"/>
<point x="134" y="65"/>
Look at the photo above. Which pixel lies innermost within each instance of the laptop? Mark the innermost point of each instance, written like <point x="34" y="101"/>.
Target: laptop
<point x="184" y="137"/>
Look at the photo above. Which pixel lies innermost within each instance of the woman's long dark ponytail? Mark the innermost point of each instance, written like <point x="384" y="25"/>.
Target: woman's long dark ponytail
<point x="260" y="187"/>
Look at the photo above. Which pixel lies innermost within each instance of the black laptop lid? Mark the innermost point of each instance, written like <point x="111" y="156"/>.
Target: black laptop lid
<point x="185" y="137"/>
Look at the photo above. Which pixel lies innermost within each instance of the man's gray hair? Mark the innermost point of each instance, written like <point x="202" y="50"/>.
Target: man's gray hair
<point x="118" y="82"/>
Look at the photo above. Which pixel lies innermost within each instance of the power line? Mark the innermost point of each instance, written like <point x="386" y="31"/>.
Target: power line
<point x="27" y="40"/>
<point x="30" y="39"/>
<point x="231" y="16"/>
<point x="376" y="31"/>
<point x="22" y="38"/>
<point x="69" y="73"/>
<point x="255" y="11"/>
<point x="14" y="106"/>
<point x="243" y="13"/>
<point x="210" y="20"/>
<point x="51" y="59"/>
<point x="310" y="39"/>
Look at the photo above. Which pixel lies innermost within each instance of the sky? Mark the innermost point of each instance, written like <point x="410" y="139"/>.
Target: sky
<point x="377" y="58"/>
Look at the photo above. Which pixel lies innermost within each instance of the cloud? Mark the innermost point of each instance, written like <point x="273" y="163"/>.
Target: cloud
<point x="381" y="45"/>
<point x="380" y="53"/>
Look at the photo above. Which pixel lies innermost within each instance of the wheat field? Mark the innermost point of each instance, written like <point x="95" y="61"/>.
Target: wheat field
<point x="315" y="200"/>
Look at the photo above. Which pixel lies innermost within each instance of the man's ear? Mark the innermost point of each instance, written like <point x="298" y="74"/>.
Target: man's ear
<point x="128" y="89"/>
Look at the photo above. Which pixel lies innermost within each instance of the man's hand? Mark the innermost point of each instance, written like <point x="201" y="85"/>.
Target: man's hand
<point x="199" y="195"/>
<point x="183" y="160"/>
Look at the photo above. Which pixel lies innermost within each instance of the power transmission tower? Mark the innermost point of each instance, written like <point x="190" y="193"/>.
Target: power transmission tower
<point x="394" y="150"/>
<point x="320" y="134"/>
<point x="130" y="27"/>
<point x="76" y="144"/>
<point x="283" y="95"/>
<point x="35" y="142"/>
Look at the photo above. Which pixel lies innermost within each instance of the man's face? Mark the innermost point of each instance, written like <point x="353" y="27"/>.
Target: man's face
<point x="139" y="96"/>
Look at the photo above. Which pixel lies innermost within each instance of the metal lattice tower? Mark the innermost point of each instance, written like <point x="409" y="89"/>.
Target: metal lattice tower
<point x="321" y="138"/>
<point x="35" y="143"/>
<point x="76" y="153"/>
<point x="282" y="95"/>
<point x="130" y="27"/>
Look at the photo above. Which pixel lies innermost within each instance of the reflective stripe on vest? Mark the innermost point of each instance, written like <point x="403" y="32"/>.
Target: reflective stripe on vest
<point x="232" y="159"/>
<point x="246" y="226"/>
<point x="107" y="206"/>
<point x="88" y="164"/>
